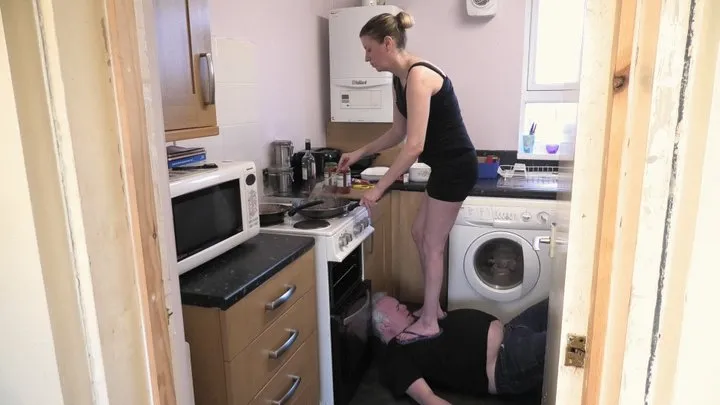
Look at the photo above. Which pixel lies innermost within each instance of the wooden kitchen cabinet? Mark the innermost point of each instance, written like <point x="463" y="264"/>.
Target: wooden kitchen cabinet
<point x="187" y="78"/>
<point x="230" y="350"/>
<point x="407" y="277"/>
<point x="376" y="248"/>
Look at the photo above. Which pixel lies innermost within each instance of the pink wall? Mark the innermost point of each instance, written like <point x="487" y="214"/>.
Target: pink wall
<point x="271" y="59"/>
<point x="482" y="57"/>
<point x="272" y="75"/>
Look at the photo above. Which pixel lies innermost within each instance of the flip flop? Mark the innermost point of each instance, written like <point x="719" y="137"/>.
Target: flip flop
<point x="417" y="337"/>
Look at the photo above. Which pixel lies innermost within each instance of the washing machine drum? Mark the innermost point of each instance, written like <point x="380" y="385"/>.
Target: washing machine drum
<point x="501" y="266"/>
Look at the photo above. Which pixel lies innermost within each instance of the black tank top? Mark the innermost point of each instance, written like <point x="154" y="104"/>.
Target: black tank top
<point x="446" y="136"/>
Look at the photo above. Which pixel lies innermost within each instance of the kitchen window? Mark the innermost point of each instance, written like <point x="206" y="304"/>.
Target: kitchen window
<point x="551" y="77"/>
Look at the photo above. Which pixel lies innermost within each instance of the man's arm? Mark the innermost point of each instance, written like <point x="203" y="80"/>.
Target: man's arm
<point x="421" y="392"/>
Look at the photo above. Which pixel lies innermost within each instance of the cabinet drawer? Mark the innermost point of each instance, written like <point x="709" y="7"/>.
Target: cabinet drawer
<point x="254" y="366"/>
<point x="250" y="316"/>
<point x="298" y="376"/>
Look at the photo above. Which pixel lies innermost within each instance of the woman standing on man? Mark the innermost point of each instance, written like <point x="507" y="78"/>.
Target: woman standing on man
<point x="427" y="110"/>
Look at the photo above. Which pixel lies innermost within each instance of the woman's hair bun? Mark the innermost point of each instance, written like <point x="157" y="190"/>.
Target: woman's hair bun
<point x="404" y="20"/>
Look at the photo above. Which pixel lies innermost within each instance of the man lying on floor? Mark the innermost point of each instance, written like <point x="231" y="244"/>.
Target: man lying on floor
<point x="474" y="355"/>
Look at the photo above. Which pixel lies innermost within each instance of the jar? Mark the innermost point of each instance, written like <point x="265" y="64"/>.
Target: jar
<point x="345" y="181"/>
<point x="329" y="176"/>
<point x="282" y="153"/>
<point x="280" y="179"/>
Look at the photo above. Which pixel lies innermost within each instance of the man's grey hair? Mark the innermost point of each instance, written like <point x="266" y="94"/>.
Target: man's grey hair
<point x="377" y="317"/>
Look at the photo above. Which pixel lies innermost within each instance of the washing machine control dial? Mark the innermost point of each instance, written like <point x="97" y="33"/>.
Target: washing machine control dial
<point x="543" y="217"/>
<point x="526" y="216"/>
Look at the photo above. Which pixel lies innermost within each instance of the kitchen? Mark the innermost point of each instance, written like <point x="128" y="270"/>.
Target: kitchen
<point x="110" y="348"/>
<point x="249" y="74"/>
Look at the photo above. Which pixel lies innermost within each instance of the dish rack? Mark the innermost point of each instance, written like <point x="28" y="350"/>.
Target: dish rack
<point x="521" y="170"/>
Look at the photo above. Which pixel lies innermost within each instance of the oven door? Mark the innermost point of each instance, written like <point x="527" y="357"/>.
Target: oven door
<point x="351" y="330"/>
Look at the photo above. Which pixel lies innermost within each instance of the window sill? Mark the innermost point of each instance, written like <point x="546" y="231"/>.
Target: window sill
<point x="544" y="156"/>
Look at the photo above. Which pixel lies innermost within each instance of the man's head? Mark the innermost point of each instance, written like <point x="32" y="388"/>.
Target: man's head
<point x="390" y="317"/>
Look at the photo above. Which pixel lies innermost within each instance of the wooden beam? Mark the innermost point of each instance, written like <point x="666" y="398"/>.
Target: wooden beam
<point x="597" y="380"/>
<point x="135" y="141"/>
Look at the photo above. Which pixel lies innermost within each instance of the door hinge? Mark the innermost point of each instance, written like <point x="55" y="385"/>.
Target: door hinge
<point x="575" y="351"/>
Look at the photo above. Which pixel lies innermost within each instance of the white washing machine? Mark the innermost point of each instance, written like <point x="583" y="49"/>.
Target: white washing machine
<point x="496" y="261"/>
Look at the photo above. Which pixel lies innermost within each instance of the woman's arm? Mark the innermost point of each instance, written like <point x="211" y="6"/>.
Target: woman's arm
<point x="419" y="90"/>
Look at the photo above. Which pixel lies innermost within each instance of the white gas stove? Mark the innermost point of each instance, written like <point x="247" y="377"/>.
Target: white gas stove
<point x="339" y="236"/>
<point x="336" y="240"/>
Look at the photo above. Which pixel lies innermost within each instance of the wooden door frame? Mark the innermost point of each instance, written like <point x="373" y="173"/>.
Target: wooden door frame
<point x="650" y="76"/>
<point x="76" y="72"/>
<point x="137" y="141"/>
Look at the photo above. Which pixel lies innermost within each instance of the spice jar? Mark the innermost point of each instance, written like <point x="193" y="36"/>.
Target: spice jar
<point x="330" y="175"/>
<point x="345" y="181"/>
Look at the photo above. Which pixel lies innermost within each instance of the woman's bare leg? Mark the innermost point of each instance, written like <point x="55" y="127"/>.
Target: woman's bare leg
<point x="439" y="219"/>
<point x="418" y="233"/>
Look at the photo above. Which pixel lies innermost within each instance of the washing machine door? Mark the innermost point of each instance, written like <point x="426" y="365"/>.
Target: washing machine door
<point x="501" y="266"/>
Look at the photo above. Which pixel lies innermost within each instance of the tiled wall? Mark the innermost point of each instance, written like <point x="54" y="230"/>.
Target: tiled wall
<point x="271" y="76"/>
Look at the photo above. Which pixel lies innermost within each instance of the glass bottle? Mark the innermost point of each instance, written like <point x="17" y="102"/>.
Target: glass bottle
<point x="309" y="168"/>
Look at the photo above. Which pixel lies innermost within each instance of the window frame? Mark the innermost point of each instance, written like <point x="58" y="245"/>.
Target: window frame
<point x="532" y="92"/>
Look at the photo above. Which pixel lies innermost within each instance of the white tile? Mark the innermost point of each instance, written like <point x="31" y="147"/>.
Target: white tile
<point x="235" y="61"/>
<point x="245" y="142"/>
<point x="237" y="104"/>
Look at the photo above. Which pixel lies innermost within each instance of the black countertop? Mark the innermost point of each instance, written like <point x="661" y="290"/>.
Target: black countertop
<point x="511" y="188"/>
<point x="506" y="188"/>
<point x="231" y="276"/>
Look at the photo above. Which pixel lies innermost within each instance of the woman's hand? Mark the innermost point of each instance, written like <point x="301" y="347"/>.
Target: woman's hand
<point x="349" y="159"/>
<point x="371" y="197"/>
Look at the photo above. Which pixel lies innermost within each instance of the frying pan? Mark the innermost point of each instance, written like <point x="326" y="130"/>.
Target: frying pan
<point x="271" y="214"/>
<point x="326" y="208"/>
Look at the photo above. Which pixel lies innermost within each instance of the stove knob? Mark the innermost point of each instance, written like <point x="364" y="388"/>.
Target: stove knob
<point x="344" y="240"/>
<point x="358" y="228"/>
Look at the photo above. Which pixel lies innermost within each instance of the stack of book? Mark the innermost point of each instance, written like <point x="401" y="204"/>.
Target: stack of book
<point x="181" y="156"/>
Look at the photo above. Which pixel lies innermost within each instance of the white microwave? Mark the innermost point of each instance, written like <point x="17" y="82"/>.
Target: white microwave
<point x="214" y="210"/>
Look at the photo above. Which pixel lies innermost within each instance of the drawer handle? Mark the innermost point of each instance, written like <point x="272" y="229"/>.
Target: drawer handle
<point x="285" y="346"/>
<point x="290" y="392"/>
<point x="281" y="299"/>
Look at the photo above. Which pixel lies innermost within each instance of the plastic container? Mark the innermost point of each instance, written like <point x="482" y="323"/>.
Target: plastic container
<point x="488" y="170"/>
<point x="552" y="148"/>
<point x="374" y="173"/>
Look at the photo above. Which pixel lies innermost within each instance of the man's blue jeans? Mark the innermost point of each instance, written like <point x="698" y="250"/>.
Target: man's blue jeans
<point x="521" y="360"/>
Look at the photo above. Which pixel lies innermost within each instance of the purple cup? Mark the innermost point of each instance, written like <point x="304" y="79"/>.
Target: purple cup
<point x="552" y="148"/>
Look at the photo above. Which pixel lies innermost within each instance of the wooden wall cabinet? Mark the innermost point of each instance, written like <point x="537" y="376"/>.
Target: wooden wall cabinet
<point x="248" y="354"/>
<point x="187" y="74"/>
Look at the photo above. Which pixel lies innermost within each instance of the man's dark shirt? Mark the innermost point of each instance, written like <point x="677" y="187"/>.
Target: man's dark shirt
<point x="454" y="361"/>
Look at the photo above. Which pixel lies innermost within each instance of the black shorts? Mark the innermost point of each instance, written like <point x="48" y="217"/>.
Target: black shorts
<point x="452" y="179"/>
